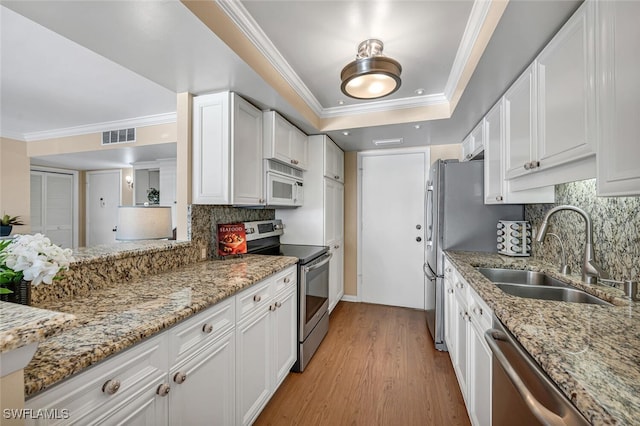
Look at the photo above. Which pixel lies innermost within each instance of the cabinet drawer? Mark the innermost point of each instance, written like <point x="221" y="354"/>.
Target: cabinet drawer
<point x="137" y="369"/>
<point x="481" y="314"/>
<point x="253" y="298"/>
<point x="205" y="327"/>
<point x="286" y="279"/>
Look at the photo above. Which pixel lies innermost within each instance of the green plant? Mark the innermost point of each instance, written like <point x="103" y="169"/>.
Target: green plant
<point x="7" y="220"/>
<point x="7" y="276"/>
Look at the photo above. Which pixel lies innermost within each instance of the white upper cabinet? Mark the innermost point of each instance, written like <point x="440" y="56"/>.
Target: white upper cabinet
<point x="473" y="144"/>
<point x="467" y="148"/>
<point x="519" y="125"/>
<point x="227" y="151"/>
<point x="550" y="110"/>
<point x="284" y="142"/>
<point x="566" y="94"/>
<point x="333" y="161"/>
<point x="497" y="190"/>
<point x="618" y="157"/>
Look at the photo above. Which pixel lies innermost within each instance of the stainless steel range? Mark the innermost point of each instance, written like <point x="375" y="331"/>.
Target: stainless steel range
<point x="263" y="237"/>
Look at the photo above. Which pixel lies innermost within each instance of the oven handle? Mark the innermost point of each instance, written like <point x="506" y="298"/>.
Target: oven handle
<point x="327" y="258"/>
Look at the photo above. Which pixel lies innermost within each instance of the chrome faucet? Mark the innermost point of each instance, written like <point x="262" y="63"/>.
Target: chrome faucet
<point x="590" y="270"/>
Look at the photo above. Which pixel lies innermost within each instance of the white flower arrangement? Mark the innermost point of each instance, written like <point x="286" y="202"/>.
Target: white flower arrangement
<point x="33" y="258"/>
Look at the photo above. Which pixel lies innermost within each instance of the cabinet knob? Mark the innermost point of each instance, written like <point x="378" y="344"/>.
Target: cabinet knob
<point x="336" y="177"/>
<point x="477" y="310"/>
<point x="272" y="308"/>
<point x="111" y="386"/>
<point x="179" y="377"/>
<point x="535" y="164"/>
<point x="257" y="298"/>
<point x="459" y="285"/>
<point x="527" y="166"/>
<point x="287" y="280"/>
<point x="207" y="328"/>
<point x="468" y="157"/>
<point x="337" y="246"/>
<point x="499" y="198"/>
<point x="278" y="304"/>
<point x="448" y="270"/>
<point x="450" y="290"/>
<point x="163" y="389"/>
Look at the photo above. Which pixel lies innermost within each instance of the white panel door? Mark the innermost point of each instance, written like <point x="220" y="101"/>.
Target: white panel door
<point x="393" y="187"/>
<point x="103" y="199"/>
<point x="52" y="205"/>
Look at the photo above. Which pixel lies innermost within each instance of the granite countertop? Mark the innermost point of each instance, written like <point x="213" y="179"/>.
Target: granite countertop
<point x="592" y="352"/>
<point x="117" y="317"/>
<point x="22" y="325"/>
<point x="123" y="249"/>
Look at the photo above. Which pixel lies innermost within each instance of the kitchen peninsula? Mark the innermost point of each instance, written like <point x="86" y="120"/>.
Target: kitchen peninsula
<point x="91" y="322"/>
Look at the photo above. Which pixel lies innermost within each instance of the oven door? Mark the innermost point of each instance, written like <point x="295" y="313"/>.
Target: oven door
<point x="314" y="294"/>
<point x="281" y="190"/>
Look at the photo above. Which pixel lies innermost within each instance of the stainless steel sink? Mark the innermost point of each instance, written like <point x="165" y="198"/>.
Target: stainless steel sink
<point x="563" y="294"/>
<point x="537" y="285"/>
<point x="517" y="276"/>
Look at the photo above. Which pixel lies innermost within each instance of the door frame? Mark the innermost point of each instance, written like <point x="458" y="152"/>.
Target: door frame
<point x="378" y="153"/>
<point x="86" y="197"/>
<point x="76" y="196"/>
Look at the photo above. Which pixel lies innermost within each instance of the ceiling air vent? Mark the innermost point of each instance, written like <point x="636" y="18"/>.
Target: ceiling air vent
<point x="382" y="142"/>
<point x="118" y="136"/>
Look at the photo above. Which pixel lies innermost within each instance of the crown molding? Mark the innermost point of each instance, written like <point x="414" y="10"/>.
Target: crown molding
<point x="386" y="105"/>
<point x="250" y="28"/>
<point x="476" y="20"/>
<point x="150" y="120"/>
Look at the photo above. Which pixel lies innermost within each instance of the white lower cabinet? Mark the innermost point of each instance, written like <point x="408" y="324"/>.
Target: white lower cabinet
<point x="215" y="368"/>
<point x="468" y="318"/>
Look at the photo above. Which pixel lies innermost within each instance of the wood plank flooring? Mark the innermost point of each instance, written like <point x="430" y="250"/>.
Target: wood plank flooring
<point x="376" y="366"/>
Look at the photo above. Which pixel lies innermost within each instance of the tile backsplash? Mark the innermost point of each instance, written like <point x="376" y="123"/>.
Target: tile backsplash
<point x="204" y="220"/>
<point x="616" y="230"/>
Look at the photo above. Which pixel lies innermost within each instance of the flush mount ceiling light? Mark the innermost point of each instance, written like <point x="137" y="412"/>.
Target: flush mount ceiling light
<point x="372" y="75"/>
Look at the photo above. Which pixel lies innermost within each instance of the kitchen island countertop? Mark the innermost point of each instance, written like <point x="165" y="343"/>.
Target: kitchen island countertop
<point x="114" y="318"/>
<point x="591" y="352"/>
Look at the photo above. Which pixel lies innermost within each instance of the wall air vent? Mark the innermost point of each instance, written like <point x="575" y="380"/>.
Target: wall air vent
<point x="118" y="136"/>
<point x="383" y="142"/>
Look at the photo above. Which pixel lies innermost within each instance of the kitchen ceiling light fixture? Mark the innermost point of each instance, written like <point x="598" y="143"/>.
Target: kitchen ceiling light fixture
<point x="372" y="75"/>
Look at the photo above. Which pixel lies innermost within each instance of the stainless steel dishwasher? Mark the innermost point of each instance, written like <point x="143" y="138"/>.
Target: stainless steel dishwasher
<point x="521" y="392"/>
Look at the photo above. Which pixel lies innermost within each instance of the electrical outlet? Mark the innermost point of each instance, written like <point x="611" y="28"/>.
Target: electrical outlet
<point x="203" y="253"/>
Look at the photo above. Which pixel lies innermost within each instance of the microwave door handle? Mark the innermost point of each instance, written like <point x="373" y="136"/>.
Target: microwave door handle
<point x="327" y="258"/>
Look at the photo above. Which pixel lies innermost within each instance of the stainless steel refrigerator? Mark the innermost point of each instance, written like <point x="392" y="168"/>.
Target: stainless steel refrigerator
<point x="457" y="219"/>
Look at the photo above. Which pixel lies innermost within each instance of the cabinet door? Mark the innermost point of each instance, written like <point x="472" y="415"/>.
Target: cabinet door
<point x="450" y="312"/>
<point x="145" y="409"/>
<point x="336" y="272"/>
<point x="618" y="168"/>
<point x="203" y="387"/>
<point x="477" y="135"/>
<point x="493" y="142"/>
<point x="566" y="93"/>
<point x="247" y="173"/>
<point x="282" y="139"/>
<point x="461" y="323"/>
<point x="285" y="334"/>
<point x="253" y="365"/>
<point x="467" y="148"/>
<point x="299" y="148"/>
<point x="333" y="160"/>
<point x="211" y="132"/>
<point x="519" y="121"/>
<point x="479" y="378"/>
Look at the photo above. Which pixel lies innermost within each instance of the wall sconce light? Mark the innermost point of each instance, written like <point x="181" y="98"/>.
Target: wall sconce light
<point x="129" y="180"/>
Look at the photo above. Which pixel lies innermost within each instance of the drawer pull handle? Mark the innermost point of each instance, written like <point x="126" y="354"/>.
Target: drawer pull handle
<point x="278" y="304"/>
<point x="272" y="308"/>
<point x="287" y="280"/>
<point x="257" y="298"/>
<point x="111" y="386"/>
<point x="179" y="377"/>
<point x="207" y="328"/>
<point x="163" y="389"/>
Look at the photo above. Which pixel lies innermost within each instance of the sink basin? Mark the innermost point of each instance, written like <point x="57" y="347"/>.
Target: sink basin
<point x="562" y="294"/>
<point x="517" y="276"/>
<point x="537" y="285"/>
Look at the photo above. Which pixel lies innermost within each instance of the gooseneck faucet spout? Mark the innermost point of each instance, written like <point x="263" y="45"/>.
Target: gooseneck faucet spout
<point x="590" y="270"/>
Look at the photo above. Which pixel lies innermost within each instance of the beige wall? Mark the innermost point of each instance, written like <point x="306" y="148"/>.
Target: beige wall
<point x="12" y="396"/>
<point x="15" y="182"/>
<point x="350" y="223"/>
<point x="444" y="152"/>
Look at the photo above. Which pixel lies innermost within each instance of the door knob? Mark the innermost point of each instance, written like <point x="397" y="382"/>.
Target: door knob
<point x="418" y="226"/>
<point x="418" y="239"/>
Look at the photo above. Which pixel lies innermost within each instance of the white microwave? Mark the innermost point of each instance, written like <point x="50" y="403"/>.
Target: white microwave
<point x="284" y="185"/>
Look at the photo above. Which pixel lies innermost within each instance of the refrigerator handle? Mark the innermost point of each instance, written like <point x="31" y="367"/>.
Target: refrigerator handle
<point x="429" y="230"/>
<point x="428" y="273"/>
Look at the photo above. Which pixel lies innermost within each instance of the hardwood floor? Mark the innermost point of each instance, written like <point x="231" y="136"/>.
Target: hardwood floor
<point x="376" y="366"/>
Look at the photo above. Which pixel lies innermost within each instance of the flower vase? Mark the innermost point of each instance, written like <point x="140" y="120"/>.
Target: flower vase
<point x="21" y="293"/>
<point x="5" y="230"/>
